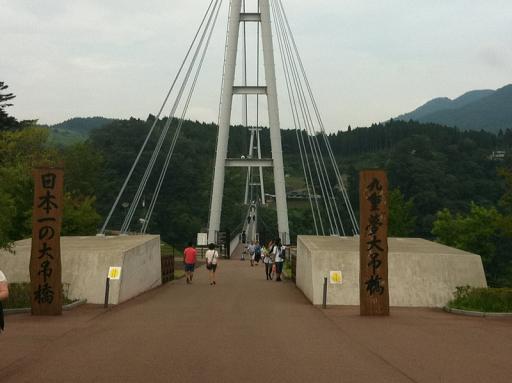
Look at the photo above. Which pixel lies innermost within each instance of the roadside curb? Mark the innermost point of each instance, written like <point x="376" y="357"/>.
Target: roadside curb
<point x="28" y="309"/>
<point x="476" y="313"/>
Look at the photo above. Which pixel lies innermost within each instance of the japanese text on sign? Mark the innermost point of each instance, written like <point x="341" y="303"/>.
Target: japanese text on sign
<point x="45" y="266"/>
<point x="374" y="294"/>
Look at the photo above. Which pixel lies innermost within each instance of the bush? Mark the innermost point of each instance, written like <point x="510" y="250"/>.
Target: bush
<point x="482" y="299"/>
<point x="19" y="296"/>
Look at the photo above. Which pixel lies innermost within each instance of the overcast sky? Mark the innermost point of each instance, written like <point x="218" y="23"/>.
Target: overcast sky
<point x="367" y="60"/>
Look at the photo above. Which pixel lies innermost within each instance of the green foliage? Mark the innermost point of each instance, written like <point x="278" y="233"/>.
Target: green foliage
<point x="20" y="151"/>
<point x="487" y="110"/>
<point x="82" y="126"/>
<point x="401" y="219"/>
<point x="83" y="166"/>
<point x="6" y="122"/>
<point x="481" y="231"/>
<point x="19" y="296"/>
<point x="474" y="232"/>
<point x="7" y="214"/>
<point x="168" y="250"/>
<point x="80" y="216"/>
<point x="505" y="202"/>
<point x="5" y="97"/>
<point x="482" y="299"/>
<point x="75" y="130"/>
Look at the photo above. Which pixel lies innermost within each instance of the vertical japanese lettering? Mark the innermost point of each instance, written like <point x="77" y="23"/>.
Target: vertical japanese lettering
<point x="373" y="243"/>
<point x="45" y="263"/>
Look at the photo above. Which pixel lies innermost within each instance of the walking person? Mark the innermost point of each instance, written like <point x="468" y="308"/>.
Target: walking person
<point x="251" y="248"/>
<point x="4" y="294"/>
<point x="189" y="257"/>
<point x="244" y="239"/>
<point x="279" y="253"/>
<point x="257" y="253"/>
<point x="212" y="257"/>
<point x="267" y="261"/>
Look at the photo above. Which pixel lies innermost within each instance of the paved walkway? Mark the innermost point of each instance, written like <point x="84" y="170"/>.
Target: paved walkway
<point x="247" y="329"/>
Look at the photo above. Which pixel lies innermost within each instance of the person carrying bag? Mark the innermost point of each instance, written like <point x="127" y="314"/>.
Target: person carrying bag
<point x="279" y="256"/>
<point x="4" y="294"/>
<point x="212" y="257"/>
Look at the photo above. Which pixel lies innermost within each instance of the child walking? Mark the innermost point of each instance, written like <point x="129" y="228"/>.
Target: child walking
<point x="212" y="257"/>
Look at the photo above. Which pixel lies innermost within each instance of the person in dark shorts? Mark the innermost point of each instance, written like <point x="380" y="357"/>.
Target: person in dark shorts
<point x="279" y="254"/>
<point x="4" y="294"/>
<point x="189" y="257"/>
<point x="257" y="253"/>
<point x="212" y="257"/>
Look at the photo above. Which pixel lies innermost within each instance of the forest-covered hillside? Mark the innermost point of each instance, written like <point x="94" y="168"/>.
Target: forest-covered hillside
<point x="448" y="185"/>
<point x="483" y="109"/>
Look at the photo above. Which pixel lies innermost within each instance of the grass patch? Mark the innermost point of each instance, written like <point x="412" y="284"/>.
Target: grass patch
<point x="482" y="299"/>
<point x="167" y="250"/>
<point x="179" y="273"/>
<point x="287" y="268"/>
<point x="20" y="294"/>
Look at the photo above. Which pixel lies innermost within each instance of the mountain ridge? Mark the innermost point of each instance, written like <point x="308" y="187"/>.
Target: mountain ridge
<point x="486" y="109"/>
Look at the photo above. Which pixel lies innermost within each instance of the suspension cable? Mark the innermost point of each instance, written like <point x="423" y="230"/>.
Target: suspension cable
<point x="296" y="123"/>
<point x="163" y="134"/>
<point x="109" y="216"/>
<point x="322" y="127"/>
<point x="149" y="213"/>
<point x="316" y="156"/>
<point x="333" y="206"/>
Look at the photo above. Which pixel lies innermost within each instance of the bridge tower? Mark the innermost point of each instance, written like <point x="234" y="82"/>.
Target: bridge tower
<point x="236" y="16"/>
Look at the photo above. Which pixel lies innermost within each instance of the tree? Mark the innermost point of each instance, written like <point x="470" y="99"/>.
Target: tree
<point x="6" y="122"/>
<point x="401" y="218"/>
<point x="5" y="97"/>
<point x="480" y="232"/>
<point x="7" y="214"/>
<point x="82" y="169"/>
<point x="80" y="216"/>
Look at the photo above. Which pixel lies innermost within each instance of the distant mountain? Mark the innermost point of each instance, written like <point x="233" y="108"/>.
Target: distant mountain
<point x="76" y="129"/>
<point x="475" y="110"/>
<point x="83" y="125"/>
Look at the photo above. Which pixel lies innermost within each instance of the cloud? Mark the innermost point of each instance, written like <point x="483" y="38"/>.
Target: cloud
<point x="366" y="60"/>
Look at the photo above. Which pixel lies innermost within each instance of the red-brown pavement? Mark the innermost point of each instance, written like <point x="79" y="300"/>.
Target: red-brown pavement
<point x="248" y="329"/>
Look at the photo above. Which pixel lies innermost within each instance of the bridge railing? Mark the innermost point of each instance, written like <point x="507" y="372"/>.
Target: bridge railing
<point x="235" y="240"/>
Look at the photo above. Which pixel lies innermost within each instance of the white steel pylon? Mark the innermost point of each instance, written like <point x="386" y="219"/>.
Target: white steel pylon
<point x="254" y="142"/>
<point x="236" y="16"/>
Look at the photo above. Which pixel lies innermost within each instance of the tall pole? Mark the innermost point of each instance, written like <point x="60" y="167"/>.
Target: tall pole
<point x="225" y="116"/>
<point x="273" y="117"/>
<point x="224" y="119"/>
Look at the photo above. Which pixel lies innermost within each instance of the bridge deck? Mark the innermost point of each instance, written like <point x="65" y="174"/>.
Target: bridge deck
<point x="247" y="329"/>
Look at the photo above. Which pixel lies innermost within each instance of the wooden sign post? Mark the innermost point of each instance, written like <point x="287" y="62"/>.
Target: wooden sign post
<point x="45" y="265"/>
<point x="373" y="245"/>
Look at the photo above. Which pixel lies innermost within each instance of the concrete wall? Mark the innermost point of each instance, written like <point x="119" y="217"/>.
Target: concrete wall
<point x="85" y="264"/>
<point x="421" y="273"/>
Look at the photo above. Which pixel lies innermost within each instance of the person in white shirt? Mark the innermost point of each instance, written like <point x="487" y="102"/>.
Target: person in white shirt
<point x="212" y="257"/>
<point x="251" y="250"/>
<point x="279" y="254"/>
<point x="4" y="294"/>
<point x="267" y="260"/>
<point x="4" y="288"/>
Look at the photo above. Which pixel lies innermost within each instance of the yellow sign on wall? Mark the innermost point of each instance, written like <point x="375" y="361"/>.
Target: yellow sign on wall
<point x="114" y="272"/>
<point x="336" y="277"/>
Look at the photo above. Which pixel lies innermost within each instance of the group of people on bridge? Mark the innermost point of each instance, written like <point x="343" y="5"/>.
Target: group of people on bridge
<point x="272" y="255"/>
<point x="190" y="258"/>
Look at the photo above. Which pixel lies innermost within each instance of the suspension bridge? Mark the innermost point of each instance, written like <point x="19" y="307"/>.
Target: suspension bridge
<point x="331" y="209"/>
<point x="247" y="328"/>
